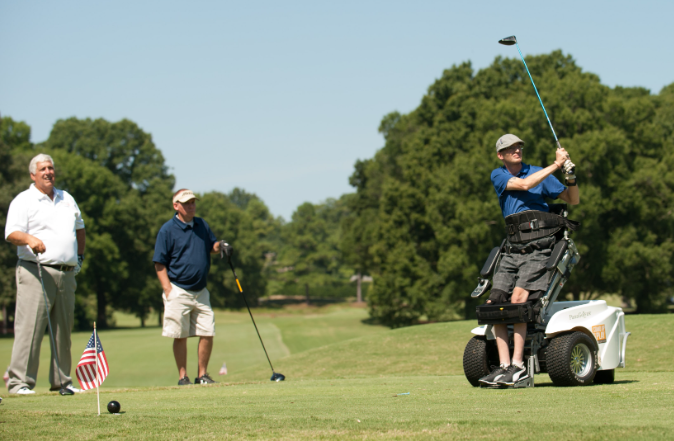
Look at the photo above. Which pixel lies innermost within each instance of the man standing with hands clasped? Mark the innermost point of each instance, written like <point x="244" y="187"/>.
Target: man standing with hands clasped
<point x="47" y="227"/>
<point x="182" y="261"/>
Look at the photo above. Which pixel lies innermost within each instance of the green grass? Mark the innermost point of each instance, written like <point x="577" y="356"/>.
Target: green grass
<point x="343" y="381"/>
<point x="141" y="357"/>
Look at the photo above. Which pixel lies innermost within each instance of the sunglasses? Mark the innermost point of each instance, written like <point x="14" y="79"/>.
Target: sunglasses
<point x="513" y="149"/>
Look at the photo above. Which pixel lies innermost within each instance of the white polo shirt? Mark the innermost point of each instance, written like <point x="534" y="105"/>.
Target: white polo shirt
<point x="53" y="222"/>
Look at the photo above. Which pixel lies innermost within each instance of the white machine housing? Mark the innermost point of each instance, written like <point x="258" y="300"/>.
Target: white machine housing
<point x="604" y="324"/>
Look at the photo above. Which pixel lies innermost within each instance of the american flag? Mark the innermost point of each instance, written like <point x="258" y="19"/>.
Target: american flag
<point x="86" y="368"/>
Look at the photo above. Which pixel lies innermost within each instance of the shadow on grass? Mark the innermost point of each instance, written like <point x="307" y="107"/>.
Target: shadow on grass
<point x="371" y="321"/>
<point x="536" y="385"/>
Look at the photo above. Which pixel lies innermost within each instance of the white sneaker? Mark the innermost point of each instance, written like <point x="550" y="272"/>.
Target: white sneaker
<point x="25" y="391"/>
<point x="69" y="387"/>
<point x="73" y="389"/>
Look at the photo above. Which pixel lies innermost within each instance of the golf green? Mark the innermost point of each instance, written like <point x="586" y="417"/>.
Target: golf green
<point x="345" y="380"/>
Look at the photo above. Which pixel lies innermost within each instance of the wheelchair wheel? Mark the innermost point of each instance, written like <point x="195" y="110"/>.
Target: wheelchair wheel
<point x="479" y="355"/>
<point x="605" y="377"/>
<point x="572" y="359"/>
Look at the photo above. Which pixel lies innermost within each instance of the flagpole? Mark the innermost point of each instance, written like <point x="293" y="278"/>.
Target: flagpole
<point x="98" y="396"/>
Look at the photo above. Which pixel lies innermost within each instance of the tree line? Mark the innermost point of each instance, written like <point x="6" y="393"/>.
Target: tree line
<point x="123" y="187"/>
<point x="423" y="215"/>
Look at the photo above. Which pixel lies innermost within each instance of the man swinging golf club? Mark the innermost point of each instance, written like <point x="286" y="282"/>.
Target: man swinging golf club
<point x="182" y="261"/>
<point x="47" y="227"/>
<point x="522" y="276"/>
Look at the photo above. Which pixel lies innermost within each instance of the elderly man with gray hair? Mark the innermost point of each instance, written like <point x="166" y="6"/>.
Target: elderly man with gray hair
<point x="47" y="227"/>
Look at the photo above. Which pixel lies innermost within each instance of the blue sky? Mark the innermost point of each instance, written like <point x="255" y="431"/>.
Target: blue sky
<point x="281" y="98"/>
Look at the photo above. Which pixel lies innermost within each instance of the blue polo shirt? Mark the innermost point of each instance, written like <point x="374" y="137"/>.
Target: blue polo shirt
<point x="185" y="251"/>
<point x="514" y="201"/>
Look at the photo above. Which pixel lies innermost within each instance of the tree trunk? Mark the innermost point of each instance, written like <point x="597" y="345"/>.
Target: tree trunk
<point x="101" y="304"/>
<point x="469" y="309"/>
<point x="161" y="323"/>
<point x="306" y="292"/>
<point x="359" y="294"/>
<point x="5" y="321"/>
<point x="142" y="320"/>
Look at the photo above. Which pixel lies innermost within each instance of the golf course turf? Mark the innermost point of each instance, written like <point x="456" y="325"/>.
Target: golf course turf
<point x="344" y="381"/>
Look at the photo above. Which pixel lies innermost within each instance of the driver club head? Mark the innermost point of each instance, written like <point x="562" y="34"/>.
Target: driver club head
<point x="277" y="377"/>
<point x="64" y="391"/>
<point x="508" y="41"/>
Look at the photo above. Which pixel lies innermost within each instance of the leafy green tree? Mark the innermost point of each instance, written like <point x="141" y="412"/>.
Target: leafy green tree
<point x="244" y="221"/>
<point x="426" y="212"/>
<point x="119" y="178"/>
<point x="311" y="257"/>
<point x="14" y="178"/>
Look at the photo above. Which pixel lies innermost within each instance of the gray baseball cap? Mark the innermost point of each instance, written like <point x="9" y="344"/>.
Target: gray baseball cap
<point x="506" y="141"/>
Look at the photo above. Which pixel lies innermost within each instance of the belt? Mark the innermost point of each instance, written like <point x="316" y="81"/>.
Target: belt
<point x="527" y="249"/>
<point x="64" y="268"/>
<point x="533" y="225"/>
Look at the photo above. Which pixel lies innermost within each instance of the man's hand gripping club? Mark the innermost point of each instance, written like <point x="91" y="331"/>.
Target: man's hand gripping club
<point x="568" y="168"/>
<point x="225" y="250"/>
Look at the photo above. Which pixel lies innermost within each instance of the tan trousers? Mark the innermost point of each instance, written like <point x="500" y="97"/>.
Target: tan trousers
<point x="30" y="322"/>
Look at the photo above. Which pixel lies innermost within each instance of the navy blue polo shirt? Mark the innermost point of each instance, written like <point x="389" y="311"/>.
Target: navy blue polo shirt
<point x="514" y="201"/>
<point x="185" y="251"/>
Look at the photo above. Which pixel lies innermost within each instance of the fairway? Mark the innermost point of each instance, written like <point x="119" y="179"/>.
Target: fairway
<point x="343" y="381"/>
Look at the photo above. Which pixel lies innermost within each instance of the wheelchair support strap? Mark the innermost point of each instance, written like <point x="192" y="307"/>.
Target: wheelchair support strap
<point x="505" y="314"/>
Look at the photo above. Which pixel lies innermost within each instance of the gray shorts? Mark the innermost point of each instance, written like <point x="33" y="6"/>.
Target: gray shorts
<point x="526" y="271"/>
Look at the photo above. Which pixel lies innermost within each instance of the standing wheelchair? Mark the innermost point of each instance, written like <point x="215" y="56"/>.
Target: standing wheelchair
<point x="575" y="342"/>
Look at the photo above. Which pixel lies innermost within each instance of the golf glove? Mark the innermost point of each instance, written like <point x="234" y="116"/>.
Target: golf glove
<point x="568" y="167"/>
<point x="80" y="261"/>
<point x="225" y="249"/>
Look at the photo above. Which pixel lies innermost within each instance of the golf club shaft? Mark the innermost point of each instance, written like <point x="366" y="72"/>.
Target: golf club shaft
<point x="51" y="332"/>
<point x="539" y="97"/>
<point x="236" y="278"/>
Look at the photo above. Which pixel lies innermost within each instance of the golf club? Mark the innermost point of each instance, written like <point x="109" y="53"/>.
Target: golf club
<point x="63" y="391"/>
<point x="509" y="41"/>
<point x="275" y="375"/>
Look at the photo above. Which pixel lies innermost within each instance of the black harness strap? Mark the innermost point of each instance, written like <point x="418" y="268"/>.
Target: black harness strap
<point x="533" y="224"/>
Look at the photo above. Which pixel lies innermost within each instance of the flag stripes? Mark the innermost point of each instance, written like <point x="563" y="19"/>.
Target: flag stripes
<point x="86" y="368"/>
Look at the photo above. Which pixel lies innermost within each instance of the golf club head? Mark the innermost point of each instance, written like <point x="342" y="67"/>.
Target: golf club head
<point x="65" y="391"/>
<point x="277" y="377"/>
<point x="508" y="41"/>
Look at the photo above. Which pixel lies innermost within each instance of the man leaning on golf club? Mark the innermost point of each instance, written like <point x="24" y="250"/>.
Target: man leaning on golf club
<point x="522" y="275"/>
<point x="47" y="227"/>
<point x="182" y="261"/>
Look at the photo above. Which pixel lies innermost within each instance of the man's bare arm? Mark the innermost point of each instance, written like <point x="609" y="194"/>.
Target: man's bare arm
<point x="81" y="240"/>
<point x="19" y="238"/>
<point x="571" y="195"/>
<point x="162" y="275"/>
<point x="534" y="179"/>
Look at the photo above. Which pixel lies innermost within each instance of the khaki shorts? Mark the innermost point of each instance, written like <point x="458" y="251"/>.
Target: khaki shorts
<point x="188" y="314"/>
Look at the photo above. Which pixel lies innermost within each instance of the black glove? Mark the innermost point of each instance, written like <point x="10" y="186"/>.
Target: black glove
<point x="225" y="249"/>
